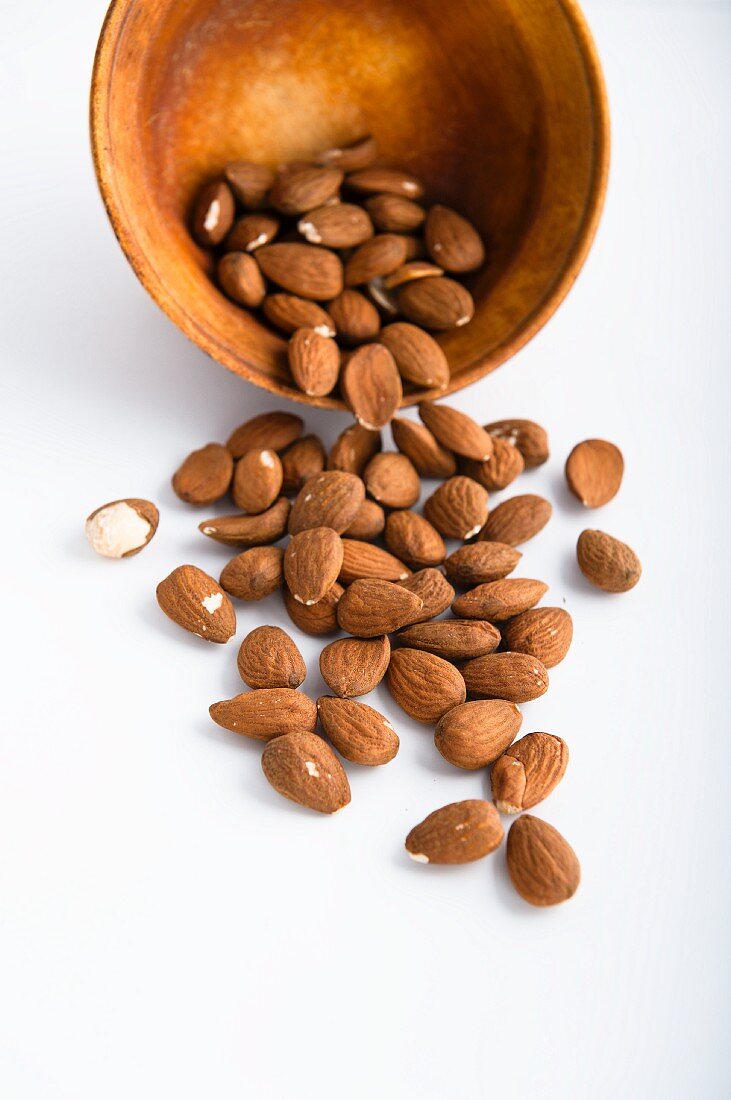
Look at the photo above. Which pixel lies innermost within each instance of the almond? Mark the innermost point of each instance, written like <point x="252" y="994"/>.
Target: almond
<point x="415" y="248"/>
<point x="213" y="214"/>
<point x="517" y="677"/>
<point x="254" y="574"/>
<point x="368" y="523"/>
<point x="251" y="232"/>
<point x="500" y="470"/>
<point x="302" y="269"/>
<point x="543" y="632"/>
<point x="342" y="225"/>
<point x="362" y="560"/>
<point x="249" y="182"/>
<point x="499" y="600"/>
<point x="526" y="436"/>
<point x="453" y="639"/>
<point x="458" y="508"/>
<point x="371" y="385"/>
<point x="196" y="602"/>
<point x="528" y="772"/>
<point x="289" y="313"/>
<point x="378" y="256"/>
<point x="418" y="356"/>
<point x="369" y="608"/>
<point x="458" y="833"/>
<point x="303" y="768"/>
<point x="275" y="430"/>
<point x="359" y="154"/>
<point x="456" y="431"/>
<point x="437" y="304"/>
<point x="413" y="539"/>
<point x="356" y="318"/>
<point x="418" y="444"/>
<point x="434" y="592"/>
<point x="389" y="181"/>
<point x="265" y="713"/>
<point x="205" y="475"/>
<point x="474" y="734"/>
<point x="249" y="530"/>
<point x="424" y="685"/>
<point x="312" y="562"/>
<point x="357" y="731"/>
<point x="314" y="361"/>
<point x="594" y="472"/>
<point x="391" y="479"/>
<point x="607" y="562"/>
<point x="517" y="519"/>
<point x="257" y="481"/>
<point x="239" y="276"/>
<point x="304" y="459"/>
<point x="452" y="241"/>
<point x="331" y="499"/>
<point x="268" y="658"/>
<point x="122" y="528"/>
<point x="318" y="618"/>
<point x="296" y="190"/>
<point x="353" y="449"/>
<point x="481" y="562"/>
<point x="383" y="299"/>
<point x="394" y="214"/>
<point x="355" y="666"/>
<point x="543" y="867"/>
<point x="414" y="269"/>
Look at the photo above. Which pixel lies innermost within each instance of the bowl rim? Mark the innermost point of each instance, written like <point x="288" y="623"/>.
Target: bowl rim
<point x="104" y="169"/>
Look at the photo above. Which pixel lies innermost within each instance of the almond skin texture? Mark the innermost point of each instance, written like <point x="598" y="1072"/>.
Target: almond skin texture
<point x="528" y="772"/>
<point x="391" y="479"/>
<point x="453" y="639"/>
<point x="368" y="523"/>
<point x="424" y="685"/>
<point x="543" y="867"/>
<point x="121" y="528"/>
<point x="268" y="658"/>
<point x="266" y="713"/>
<point x="526" y="436"/>
<point x="517" y="519"/>
<point x="389" y="181"/>
<point x="369" y="608"/>
<point x="319" y="618"/>
<point x="302" y="269"/>
<point x="342" y="225"/>
<point x="274" y="430"/>
<point x="474" y="734"/>
<point x="377" y="257"/>
<point x="351" y="158"/>
<point x="255" y="574"/>
<point x="251" y="232"/>
<point x="499" y="600"/>
<point x="213" y="214"/>
<point x="353" y="449"/>
<point x="481" y="562"/>
<point x="314" y="361"/>
<point x="249" y="182"/>
<point x="606" y="562"/>
<point x="452" y="241"/>
<point x="331" y="499"/>
<point x="205" y="475"/>
<point x="257" y="481"/>
<point x="437" y="304"/>
<point x="240" y="277"/>
<point x="249" y="530"/>
<point x="196" y="602"/>
<point x="414" y="269"/>
<point x="303" y="768"/>
<point x="456" y="431"/>
<point x="298" y="189"/>
<point x="288" y="313"/>
<point x="517" y="677"/>
<point x="427" y="454"/>
<point x="418" y="356"/>
<point x="413" y="539"/>
<point x="458" y="508"/>
<point x="361" y="560"/>
<point x="500" y="470"/>
<point x="543" y="632"/>
<point x="594" y="471"/>
<point x="355" y="666"/>
<point x="312" y="562"/>
<point x="371" y="386"/>
<point x="359" y="733"/>
<point x="458" y="833"/>
<point x="356" y="318"/>
<point x="302" y="460"/>
<point x="393" y="214"/>
<point x="433" y="590"/>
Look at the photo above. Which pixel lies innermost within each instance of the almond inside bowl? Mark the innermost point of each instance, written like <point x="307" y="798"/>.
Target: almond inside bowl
<point x="498" y="105"/>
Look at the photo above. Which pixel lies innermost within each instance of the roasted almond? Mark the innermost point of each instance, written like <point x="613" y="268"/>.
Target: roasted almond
<point x="318" y="618"/>
<point x="257" y="480"/>
<point x="268" y="658"/>
<point x="528" y="772"/>
<point x="351" y="158"/>
<point x="239" y="276"/>
<point x="607" y="562"/>
<point x="357" y="731"/>
<point x="517" y="677"/>
<point x="371" y="385"/>
<point x="342" y="225"/>
<point x="196" y="602"/>
<point x="517" y="519"/>
<point x="453" y="639"/>
<point x="368" y="523"/>
<point x="378" y="256"/>
<point x="543" y="632"/>
<point x="353" y="449"/>
<point x="362" y="560"/>
<point x="331" y="499"/>
<point x="302" y="269"/>
<point x="594" y="472"/>
<point x="456" y="431"/>
<point x="413" y="539"/>
<point x="205" y="475"/>
<point x="355" y="666"/>
<point x="418" y="356"/>
<point x="474" y="734"/>
<point x="122" y="528"/>
<point x="500" y="470"/>
<point x="417" y="443"/>
<point x="394" y="214"/>
<point x="288" y="313"/>
<point x="251" y="232"/>
<point x="249" y="530"/>
<point x="265" y="713"/>
<point x="314" y="361"/>
<point x="254" y="574"/>
<point x="296" y="190"/>
<point x="453" y="242"/>
<point x="543" y="867"/>
<point x="437" y="304"/>
<point x="458" y="833"/>
<point x="389" y="181"/>
<point x="526" y="436"/>
<point x="499" y="600"/>
<point x="458" y="508"/>
<point x="356" y="318"/>
<point x="391" y="479"/>
<point x="433" y="590"/>
<point x="275" y="430"/>
<point x="415" y="247"/>
<point x="481" y="562"/>
<point x="369" y="608"/>
<point x="304" y="459"/>
<point x="249" y="182"/>
<point x="312" y="562"/>
<point x="213" y="214"/>
<point x="413" y="269"/>
<point x="424" y="685"/>
<point x="303" y="768"/>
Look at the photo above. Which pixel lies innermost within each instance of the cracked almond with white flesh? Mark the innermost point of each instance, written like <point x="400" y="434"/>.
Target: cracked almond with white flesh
<point x="249" y="182"/>
<point x="429" y="457"/>
<point x="319" y="618"/>
<point x="122" y="528"/>
<point x="594" y="472"/>
<point x="433" y="590"/>
<point x="268" y="658"/>
<point x="499" y="600"/>
<point x="312" y="562"/>
<point x="254" y="574"/>
<point x="453" y="639"/>
<point x="453" y="242"/>
<point x="458" y="508"/>
<point x="304" y="459"/>
<point x="196" y="602"/>
<point x="363" y="560"/>
<point x="331" y="499"/>
<point x="606" y="562"/>
<point x="542" y="865"/>
<point x="369" y="608"/>
<point x="472" y="735"/>
<point x="251" y="232"/>
<point x="387" y="181"/>
<point x="413" y="539"/>
<point x="351" y="158"/>
<point x="213" y="214"/>
<point x="298" y="189"/>
<point x="314" y="361"/>
<point x="353" y="449"/>
<point x="355" y="666"/>
<point x="481" y="562"/>
<point x="240" y="277"/>
<point x="516" y="677"/>
<point x="205" y="475"/>
<point x="303" y="768"/>
<point x="437" y="304"/>
<point x="391" y="479"/>
<point x="527" y="773"/>
<point x="265" y="713"/>
<point x="418" y="356"/>
<point x="499" y="471"/>
<point x="249" y="530"/>
<point x="368" y="523"/>
<point x="356" y="318"/>
<point x="257" y="481"/>
<point x="456" y="431"/>
<point x="359" y="733"/>
<point x="275" y="430"/>
<point x="526" y="436"/>
<point x="543" y="632"/>
<point x="424" y="685"/>
<point x="458" y="833"/>
<point x="375" y="258"/>
<point x="517" y="519"/>
<point x="395" y="214"/>
<point x="371" y="385"/>
<point x="413" y="269"/>
<point x="302" y="269"/>
<point x="342" y="225"/>
<point x="288" y="313"/>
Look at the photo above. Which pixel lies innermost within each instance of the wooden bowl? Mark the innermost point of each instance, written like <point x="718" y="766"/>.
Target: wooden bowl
<point x="498" y="105"/>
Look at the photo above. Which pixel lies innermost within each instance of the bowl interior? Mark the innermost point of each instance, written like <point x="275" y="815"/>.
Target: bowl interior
<point x="496" y="104"/>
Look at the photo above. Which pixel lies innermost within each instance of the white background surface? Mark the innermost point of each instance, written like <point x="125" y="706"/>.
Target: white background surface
<point x="170" y="927"/>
